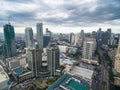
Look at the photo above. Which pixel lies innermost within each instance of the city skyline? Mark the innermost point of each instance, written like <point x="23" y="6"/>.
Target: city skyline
<point x="62" y="15"/>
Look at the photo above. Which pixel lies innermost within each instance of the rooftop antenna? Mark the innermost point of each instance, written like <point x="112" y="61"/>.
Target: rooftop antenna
<point x="9" y="20"/>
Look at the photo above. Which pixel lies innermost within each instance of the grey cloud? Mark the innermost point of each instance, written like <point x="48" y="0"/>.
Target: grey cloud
<point x="78" y="14"/>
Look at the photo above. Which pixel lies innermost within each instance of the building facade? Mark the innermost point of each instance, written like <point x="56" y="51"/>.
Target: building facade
<point x="4" y="79"/>
<point x="53" y="59"/>
<point x="9" y="36"/>
<point x="88" y="49"/>
<point x="117" y="66"/>
<point x="40" y="35"/>
<point x="34" y="58"/>
<point x="29" y="37"/>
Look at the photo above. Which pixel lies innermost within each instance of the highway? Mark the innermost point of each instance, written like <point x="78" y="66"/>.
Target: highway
<point x="104" y="77"/>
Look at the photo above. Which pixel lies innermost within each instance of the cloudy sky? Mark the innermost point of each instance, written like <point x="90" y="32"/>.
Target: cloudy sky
<point x="61" y="15"/>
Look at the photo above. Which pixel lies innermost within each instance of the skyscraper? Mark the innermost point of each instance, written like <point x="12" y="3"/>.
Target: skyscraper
<point x="29" y="37"/>
<point x="82" y="35"/>
<point x="117" y="59"/>
<point x="99" y="36"/>
<point x="9" y="36"/>
<point x="81" y="38"/>
<point x="53" y="58"/>
<point x="48" y="33"/>
<point x="40" y="35"/>
<point x="117" y="66"/>
<point x="88" y="49"/>
<point x="34" y="58"/>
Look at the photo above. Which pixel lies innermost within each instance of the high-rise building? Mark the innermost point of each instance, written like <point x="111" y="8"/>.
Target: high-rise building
<point x="106" y="37"/>
<point x="88" y="49"/>
<point x="9" y="36"/>
<point x="53" y="58"/>
<point x="40" y="35"/>
<point x="82" y="35"/>
<point x="99" y="36"/>
<point x="48" y="33"/>
<point x="117" y="66"/>
<point x="34" y="58"/>
<point x="46" y="40"/>
<point x="29" y="37"/>
<point x="81" y="38"/>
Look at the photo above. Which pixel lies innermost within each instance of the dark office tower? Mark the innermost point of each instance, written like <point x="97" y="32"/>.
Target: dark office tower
<point x="106" y="37"/>
<point x="82" y="35"/>
<point x="29" y="37"/>
<point x="71" y="37"/>
<point x="99" y="36"/>
<point x="40" y="35"/>
<point x="48" y="33"/>
<point x="53" y="58"/>
<point x="109" y="35"/>
<point x="34" y="58"/>
<point x="46" y="40"/>
<point x="9" y="37"/>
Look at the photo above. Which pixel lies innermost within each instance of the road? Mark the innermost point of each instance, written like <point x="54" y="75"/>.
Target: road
<point x="104" y="78"/>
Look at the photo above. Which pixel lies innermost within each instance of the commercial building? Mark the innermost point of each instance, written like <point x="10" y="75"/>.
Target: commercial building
<point x="89" y="47"/>
<point x="34" y="58"/>
<point x="15" y="62"/>
<point x="82" y="35"/>
<point x="48" y="33"/>
<point x="76" y="39"/>
<point x="21" y="74"/>
<point x="39" y="37"/>
<point x="84" y="73"/>
<point x="69" y="82"/>
<point x="53" y="58"/>
<point x="9" y="36"/>
<point x="46" y="40"/>
<point x="117" y="66"/>
<point x="63" y="48"/>
<point x="4" y="79"/>
<point x="29" y="37"/>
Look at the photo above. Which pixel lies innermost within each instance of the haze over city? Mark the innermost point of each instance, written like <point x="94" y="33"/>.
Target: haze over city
<point x="61" y="15"/>
<point x="60" y="45"/>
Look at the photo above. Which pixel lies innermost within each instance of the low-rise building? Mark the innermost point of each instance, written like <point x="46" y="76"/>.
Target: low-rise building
<point x="4" y="79"/>
<point x="69" y="82"/>
<point x="83" y="73"/>
<point x="15" y="62"/>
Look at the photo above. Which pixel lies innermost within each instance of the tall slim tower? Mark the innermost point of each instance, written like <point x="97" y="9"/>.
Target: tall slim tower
<point x="40" y="35"/>
<point x="34" y="58"/>
<point x="9" y="36"/>
<point x="29" y="37"/>
<point x="53" y="58"/>
<point x="117" y="59"/>
<point x="82" y="35"/>
<point x="117" y="66"/>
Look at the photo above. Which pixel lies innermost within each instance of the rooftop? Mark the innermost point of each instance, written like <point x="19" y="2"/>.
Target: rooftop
<point x="82" y="72"/>
<point x="3" y="75"/>
<point x="19" y="70"/>
<point x="69" y="82"/>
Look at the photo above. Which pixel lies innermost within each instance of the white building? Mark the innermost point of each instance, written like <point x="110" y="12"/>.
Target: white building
<point x="62" y="48"/>
<point x="84" y="73"/>
<point x="89" y="47"/>
<point x="4" y="79"/>
<point x="15" y="62"/>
